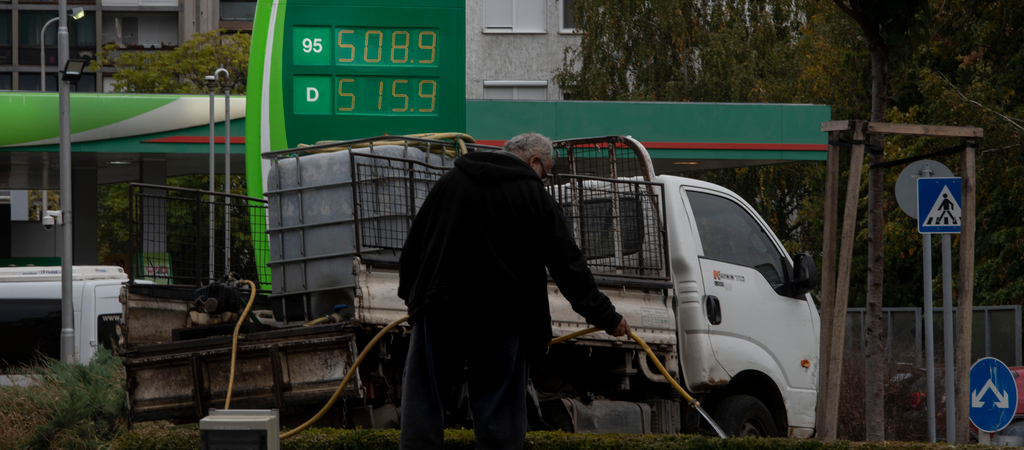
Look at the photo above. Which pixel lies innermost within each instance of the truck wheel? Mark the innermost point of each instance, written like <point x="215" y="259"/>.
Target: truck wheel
<point x="743" y="415"/>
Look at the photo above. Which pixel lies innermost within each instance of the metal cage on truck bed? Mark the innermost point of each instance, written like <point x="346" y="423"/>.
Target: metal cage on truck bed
<point x="332" y="202"/>
<point x="188" y="237"/>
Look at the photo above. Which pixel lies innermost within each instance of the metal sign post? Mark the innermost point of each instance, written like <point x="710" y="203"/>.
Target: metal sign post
<point x="938" y="211"/>
<point x="907" y="197"/>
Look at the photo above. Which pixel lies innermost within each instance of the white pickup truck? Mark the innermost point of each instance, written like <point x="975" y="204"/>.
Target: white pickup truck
<point x="697" y="273"/>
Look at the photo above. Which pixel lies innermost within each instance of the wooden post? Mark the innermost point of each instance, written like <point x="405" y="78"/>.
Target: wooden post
<point x="828" y="286"/>
<point x="965" y="301"/>
<point x="843" y="285"/>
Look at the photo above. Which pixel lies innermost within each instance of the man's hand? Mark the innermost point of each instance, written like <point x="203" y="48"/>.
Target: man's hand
<point x="622" y="329"/>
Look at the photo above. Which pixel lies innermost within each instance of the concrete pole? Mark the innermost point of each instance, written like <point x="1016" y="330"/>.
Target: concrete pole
<point x="67" y="332"/>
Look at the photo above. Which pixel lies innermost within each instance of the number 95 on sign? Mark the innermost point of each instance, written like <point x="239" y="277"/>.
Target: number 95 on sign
<point x="364" y="95"/>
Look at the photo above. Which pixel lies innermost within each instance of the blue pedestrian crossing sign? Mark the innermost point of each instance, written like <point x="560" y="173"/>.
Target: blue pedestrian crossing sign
<point x="938" y="205"/>
<point x="993" y="395"/>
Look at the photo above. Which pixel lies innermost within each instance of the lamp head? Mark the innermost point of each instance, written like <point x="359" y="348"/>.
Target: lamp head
<point x="73" y="70"/>
<point x="77" y="13"/>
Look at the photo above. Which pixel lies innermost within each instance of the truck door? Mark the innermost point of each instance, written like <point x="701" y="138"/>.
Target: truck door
<point x="753" y="323"/>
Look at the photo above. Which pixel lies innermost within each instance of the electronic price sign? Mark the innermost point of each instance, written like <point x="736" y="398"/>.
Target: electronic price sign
<point x="345" y="69"/>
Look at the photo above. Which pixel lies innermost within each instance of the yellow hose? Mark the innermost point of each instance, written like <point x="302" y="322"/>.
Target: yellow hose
<point x="351" y="370"/>
<point x="373" y="342"/>
<point x="234" y="342"/>
<point x="315" y="321"/>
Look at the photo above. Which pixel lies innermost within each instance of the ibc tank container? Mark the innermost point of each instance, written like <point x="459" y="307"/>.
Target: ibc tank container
<point x="312" y="226"/>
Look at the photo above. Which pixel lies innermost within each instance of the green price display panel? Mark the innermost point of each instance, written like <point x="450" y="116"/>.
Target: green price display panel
<point x="332" y="46"/>
<point x="354" y="71"/>
<point x="361" y="95"/>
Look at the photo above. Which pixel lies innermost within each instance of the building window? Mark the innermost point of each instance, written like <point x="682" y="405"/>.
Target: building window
<point x="142" y="30"/>
<point x="28" y="81"/>
<point x="6" y="81"/>
<point x="87" y="83"/>
<point x="234" y="10"/>
<point x="516" y="90"/>
<point x="515" y="16"/>
<point x="81" y="37"/>
<point x="565" y="14"/>
<point x="30" y="24"/>
<point x="5" y="38"/>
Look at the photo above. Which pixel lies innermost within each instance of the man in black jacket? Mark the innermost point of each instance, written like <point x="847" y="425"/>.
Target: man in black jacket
<point x="472" y="273"/>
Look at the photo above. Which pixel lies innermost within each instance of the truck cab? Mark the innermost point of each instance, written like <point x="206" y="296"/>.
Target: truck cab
<point x="750" y="329"/>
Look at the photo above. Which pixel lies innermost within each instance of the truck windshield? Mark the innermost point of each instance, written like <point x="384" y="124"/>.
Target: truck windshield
<point x="728" y="233"/>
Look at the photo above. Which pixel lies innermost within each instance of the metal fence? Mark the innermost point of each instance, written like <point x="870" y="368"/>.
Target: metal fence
<point x="188" y="237"/>
<point x="996" y="332"/>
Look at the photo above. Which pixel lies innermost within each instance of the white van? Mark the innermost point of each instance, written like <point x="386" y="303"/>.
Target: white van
<point x="30" y="312"/>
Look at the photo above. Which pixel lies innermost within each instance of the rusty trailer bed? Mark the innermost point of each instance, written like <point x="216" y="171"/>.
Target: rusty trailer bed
<point x="291" y="369"/>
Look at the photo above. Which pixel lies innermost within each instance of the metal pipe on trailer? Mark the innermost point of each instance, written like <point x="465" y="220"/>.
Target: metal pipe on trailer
<point x="211" y="82"/>
<point x="226" y="85"/>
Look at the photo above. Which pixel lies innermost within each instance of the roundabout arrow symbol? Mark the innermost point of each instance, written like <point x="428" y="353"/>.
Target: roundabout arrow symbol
<point x="1003" y="401"/>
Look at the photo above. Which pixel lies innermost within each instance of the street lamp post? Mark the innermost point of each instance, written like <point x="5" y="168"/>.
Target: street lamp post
<point x="67" y="332"/>
<point x="76" y="13"/>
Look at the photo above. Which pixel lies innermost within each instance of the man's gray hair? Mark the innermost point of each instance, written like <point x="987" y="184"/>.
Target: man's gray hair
<point x="528" y="145"/>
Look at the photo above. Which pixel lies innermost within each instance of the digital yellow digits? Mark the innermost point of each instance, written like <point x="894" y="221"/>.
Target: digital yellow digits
<point x="350" y="47"/>
<point x="366" y="48"/>
<point x="431" y="47"/>
<point x="352" y="97"/>
<point x="396" y="46"/>
<point x="394" y="93"/>
<point x="431" y="96"/>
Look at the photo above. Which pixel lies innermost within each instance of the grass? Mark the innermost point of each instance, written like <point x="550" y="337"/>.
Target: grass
<point x="70" y="406"/>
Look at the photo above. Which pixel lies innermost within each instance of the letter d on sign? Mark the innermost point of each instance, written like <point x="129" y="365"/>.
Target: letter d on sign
<point x="312" y="94"/>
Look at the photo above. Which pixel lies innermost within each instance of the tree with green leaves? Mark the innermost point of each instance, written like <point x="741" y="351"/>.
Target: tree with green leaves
<point x="181" y="70"/>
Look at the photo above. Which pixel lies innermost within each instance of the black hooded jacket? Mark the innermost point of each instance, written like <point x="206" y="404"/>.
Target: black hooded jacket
<point x="478" y="247"/>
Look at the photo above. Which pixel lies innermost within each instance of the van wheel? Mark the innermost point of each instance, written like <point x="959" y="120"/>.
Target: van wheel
<point x="743" y="416"/>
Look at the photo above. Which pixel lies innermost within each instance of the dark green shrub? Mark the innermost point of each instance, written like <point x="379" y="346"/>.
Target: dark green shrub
<point x="70" y="406"/>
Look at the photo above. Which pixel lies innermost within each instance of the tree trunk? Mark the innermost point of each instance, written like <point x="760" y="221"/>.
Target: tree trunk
<point x="874" y="355"/>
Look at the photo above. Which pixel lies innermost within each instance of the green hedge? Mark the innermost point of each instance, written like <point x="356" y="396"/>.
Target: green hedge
<point x="175" y="438"/>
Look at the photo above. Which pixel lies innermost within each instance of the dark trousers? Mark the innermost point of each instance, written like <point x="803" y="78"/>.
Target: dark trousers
<point x="496" y="371"/>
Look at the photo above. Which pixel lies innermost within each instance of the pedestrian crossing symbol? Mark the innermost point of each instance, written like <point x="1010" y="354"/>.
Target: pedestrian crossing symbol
<point x="938" y="205"/>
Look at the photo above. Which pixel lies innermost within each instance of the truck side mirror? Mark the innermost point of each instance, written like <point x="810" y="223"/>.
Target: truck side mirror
<point x="805" y="274"/>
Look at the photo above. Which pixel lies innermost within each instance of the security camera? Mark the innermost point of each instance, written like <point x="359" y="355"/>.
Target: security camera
<point x="51" y="218"/>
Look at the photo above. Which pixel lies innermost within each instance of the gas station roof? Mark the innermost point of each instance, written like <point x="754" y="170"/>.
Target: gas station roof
<point x="114" y="132"/>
